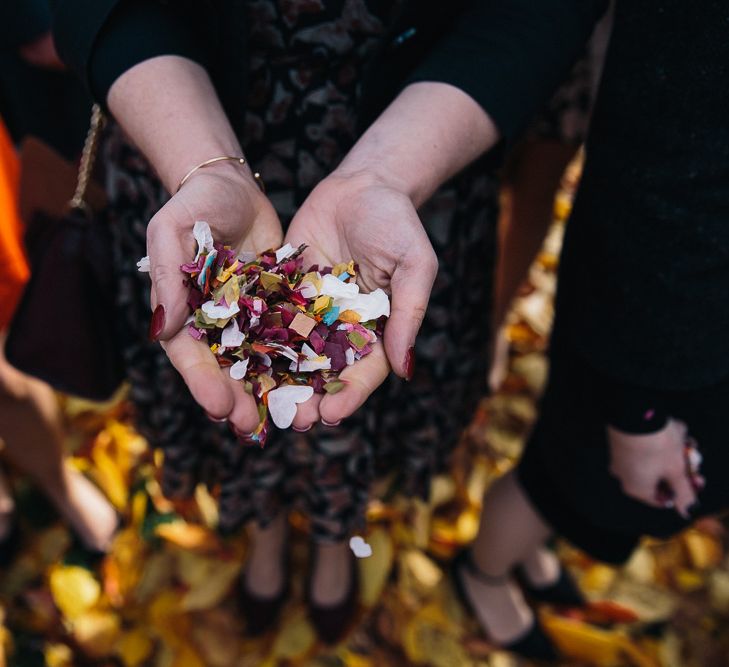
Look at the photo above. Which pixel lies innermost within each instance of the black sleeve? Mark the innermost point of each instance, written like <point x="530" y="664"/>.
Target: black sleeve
<point x="510" y="55"/>
<point x="630" y="408"/>
<point x="21" y="21"/>
<point x="129" y="32"/>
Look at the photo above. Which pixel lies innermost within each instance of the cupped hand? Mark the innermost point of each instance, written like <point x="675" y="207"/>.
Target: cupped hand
<point x="647" y="464"/>
<point x="239" y="215"/>
<point x="358" y="216"/>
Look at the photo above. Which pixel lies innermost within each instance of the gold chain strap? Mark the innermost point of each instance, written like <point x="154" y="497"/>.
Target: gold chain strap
<point x="88" y="157"/>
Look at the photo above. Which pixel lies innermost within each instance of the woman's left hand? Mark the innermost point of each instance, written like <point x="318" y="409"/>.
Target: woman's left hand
<point x="358" y="216"/>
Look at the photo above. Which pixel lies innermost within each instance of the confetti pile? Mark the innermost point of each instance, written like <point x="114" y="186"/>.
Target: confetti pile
<point x="284" y="332"/>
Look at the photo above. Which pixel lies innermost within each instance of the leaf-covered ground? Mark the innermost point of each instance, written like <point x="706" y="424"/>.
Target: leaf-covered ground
<point x="165" y="595"/>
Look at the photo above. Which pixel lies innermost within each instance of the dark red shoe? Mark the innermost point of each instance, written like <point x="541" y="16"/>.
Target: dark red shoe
<point x="262" y="613"/>
<point x="332" y="622"/>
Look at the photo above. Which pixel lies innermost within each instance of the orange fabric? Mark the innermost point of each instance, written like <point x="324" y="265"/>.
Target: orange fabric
<point x="14" y="270"/>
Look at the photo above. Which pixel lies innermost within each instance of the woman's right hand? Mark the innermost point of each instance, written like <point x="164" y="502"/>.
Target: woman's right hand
<point x="226" y="196"/>
<point x="647" y="464"/>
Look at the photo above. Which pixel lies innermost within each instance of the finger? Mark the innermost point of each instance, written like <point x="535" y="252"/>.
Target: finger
<point x="199" y="368"/>
<point x="307" y="414"/>
<point x="244" y="415"/>
<point x="167" y="252"/>
<point x="684" y="494"/>
<point x="411" y="286"/>
<point x="360" y="380"/>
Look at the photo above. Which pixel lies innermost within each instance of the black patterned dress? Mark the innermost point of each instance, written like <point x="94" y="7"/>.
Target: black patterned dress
<point x="307" y="59"/>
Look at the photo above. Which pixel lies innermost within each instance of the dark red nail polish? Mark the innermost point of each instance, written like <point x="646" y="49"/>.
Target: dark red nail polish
<point x="157" y="323"/>
<point x="410" y="364"/>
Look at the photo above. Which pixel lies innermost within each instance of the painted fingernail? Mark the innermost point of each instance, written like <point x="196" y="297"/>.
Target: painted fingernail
<point x="217" y="420"/>
<point x="302" y="430"/>
<point x="410" y="364"/>
<point x="157" y="323"/>
<point x="326" y="423"/>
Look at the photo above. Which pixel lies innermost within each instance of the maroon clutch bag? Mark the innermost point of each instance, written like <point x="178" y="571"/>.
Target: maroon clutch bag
<point x="63" y="331"/>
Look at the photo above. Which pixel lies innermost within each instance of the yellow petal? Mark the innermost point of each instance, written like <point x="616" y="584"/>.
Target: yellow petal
<point x="74" y="590"/>
<point x="375" y="570"/>
<point x="134" y="647"/>
<point x="96" y="632"/>
<point x="295" y="639"/>
<point x="188" y="536"/>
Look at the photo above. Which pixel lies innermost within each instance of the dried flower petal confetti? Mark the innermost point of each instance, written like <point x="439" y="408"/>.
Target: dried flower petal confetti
<point x="284" y="332"/>
<point x="359" y="547"/>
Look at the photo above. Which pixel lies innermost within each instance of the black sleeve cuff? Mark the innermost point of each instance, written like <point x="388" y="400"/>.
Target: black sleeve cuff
<point x="136" y="31"/>
<point x="630" y="408"/>
<point x="511" y="56"/>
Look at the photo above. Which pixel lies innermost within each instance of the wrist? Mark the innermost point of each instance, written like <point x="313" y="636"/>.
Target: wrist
<point x="372" y="166"/>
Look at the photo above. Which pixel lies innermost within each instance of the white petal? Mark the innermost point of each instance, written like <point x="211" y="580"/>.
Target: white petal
<point x="359" y="547"/>
<point x="311" y="365"/>
<point x="284" y="252"/>
<point x="285" y="351"/>
<point x="308" y="290"/>
<point x="143" y="264"/>
<point x="232" y="336"/>
<point x="369" y="306"/>
<point x="238" y="369"/>
<point x="349" y="356"/>
<point x="220" y="312"/>
<point x="203" y="236"/>
<point x="332" y="286"/>
<point x="282" y="403"/>
<point x="308" y="351"/>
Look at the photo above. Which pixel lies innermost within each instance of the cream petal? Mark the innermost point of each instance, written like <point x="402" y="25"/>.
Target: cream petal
<point x="203" y="236"/>
<point x="282" y="403"/>
<point x="220" y="312"/>
<point x="238" y="369"/>
<point x="232" y="336"/>
<point x="359" y="547"/>
<point x="284" y="251"/>
<point x="143" y="265"/>
<point x="332" y="286"/>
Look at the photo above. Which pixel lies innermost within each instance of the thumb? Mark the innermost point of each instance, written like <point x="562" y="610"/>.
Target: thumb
<point x="685" y="496"/>
<point x="410" y="288"/>
<point x="167" y="252"/>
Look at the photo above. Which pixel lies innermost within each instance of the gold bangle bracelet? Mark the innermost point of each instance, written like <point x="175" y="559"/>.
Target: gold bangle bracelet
<point x="240" y="160"/>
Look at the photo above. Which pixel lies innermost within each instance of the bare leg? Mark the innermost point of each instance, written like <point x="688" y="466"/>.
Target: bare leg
<point x="330" y="580"/>
<point x="30" y="425"/>
<point x="264" y="574"/>
<point x="542" y="567"/>
<point x="510" y="531"/>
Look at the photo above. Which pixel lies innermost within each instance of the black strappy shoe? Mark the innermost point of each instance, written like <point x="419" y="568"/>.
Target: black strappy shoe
<point x="563" y="592"/>
<point x="332" y="622"/>
<point x="534" y="644"/>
